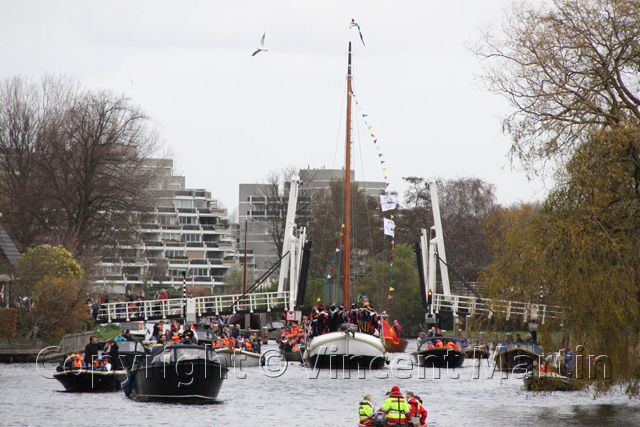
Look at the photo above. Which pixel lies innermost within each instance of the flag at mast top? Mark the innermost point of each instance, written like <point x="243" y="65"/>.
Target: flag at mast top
<point x="355" y="24"/>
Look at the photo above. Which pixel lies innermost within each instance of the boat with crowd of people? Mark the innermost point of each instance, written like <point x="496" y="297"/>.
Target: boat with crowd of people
<point x="100" y="376"/>
<point x="440" y="352"/>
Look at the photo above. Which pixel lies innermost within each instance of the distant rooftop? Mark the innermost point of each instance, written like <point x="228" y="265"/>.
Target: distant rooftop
<point x="8" y="247"/>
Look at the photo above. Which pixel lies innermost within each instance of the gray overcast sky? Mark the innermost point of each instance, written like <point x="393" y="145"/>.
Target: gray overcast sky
<point x="231" y="118"/>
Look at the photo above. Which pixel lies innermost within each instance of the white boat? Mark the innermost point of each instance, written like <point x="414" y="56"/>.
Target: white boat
<point x="346" y="349"/>
<point x="238" y="358"/>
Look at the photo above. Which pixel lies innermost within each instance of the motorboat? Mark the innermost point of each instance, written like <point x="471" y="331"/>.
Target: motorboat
<point x="131" y="353"/>
<point x="439" y="352"/>
<point x="183" y="372"/>
<point x="89" y="379"/>
<point x="515" y="356"/>
<point x="549" y="381"/>
<point x="239" y="358"/>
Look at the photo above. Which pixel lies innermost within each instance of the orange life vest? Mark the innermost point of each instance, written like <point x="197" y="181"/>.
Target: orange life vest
<point x="77" y="362"/>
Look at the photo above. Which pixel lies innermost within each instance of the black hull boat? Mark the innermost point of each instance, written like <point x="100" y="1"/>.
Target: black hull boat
<point x="88" y="380"/>
<point x="515" y="357"/>
<point x="439" y="352"/>
<point x="549" y="381"/>
<point x="131" y="353"/>
<point x="292" y="356"/>
<point x="177" y="373"/>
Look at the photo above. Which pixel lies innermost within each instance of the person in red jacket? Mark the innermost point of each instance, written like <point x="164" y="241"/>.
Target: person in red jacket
<point x="417" y="410"/>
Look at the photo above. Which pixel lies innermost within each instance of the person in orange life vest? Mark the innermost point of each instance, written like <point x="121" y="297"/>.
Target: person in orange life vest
<point x="418" y="413"/>
<point x="78" y="360"/>
<point x="439" y="343"/>
<point x="396" y="408"/>
<point x="452" y="345"/>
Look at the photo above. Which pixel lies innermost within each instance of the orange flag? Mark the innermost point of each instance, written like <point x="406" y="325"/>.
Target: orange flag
<point x="389" y="297"/>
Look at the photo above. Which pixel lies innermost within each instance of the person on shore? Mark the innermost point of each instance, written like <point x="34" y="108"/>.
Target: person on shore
<point x="396" y="407"/>
<point x="365" y="411"/>
<point x="418" y="412"/>
<point x="91" y="351"/>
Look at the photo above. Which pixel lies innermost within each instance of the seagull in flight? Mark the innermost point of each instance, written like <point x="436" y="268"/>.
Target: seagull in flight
<point x="261" y="48"/>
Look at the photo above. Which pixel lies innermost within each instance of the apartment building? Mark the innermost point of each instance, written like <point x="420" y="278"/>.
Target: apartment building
<point x="256" y="208"/>
<point x="185" y="232"/>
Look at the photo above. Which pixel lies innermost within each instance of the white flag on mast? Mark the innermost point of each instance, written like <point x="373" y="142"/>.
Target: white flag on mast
<point x="388" y="202"/>
<point x="389" y="227"/>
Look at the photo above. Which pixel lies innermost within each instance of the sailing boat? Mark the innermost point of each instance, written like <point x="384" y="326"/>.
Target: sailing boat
<point x="348" y="348"/>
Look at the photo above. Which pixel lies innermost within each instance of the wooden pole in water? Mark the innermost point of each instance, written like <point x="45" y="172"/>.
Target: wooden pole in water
<point x="347" y="192"/>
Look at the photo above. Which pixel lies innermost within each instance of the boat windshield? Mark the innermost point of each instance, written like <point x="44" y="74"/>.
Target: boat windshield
<point x="172" y="354"/>
<point x="130" y="346"/>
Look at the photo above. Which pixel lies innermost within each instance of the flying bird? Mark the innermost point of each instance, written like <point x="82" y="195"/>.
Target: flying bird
<point x="261" y="48"/>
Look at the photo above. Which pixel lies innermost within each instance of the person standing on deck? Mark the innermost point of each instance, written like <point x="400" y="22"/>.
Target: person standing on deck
<point x="91" y="351"/>
<point x="397" y="328"/>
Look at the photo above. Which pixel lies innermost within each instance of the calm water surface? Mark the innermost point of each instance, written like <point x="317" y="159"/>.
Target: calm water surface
<point x="465" y="397"/>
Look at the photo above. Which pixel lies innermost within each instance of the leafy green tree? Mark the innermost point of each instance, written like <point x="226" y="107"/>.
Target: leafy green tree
<point x="52" y="291"/>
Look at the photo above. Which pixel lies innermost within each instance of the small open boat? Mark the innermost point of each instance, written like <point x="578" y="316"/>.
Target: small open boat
<point x="439" y="352"/>
<point x="395" y="347"/>
<point x="90" y="380"/>
<point x="293" y="356"/>
<point x="177" y="373"/>
<point x="515" y="356"/>
<point x="476" y="352"/>
<point x="391" y="425"/>
<point x="239" y="358"/>
<point x="549" y="381"/>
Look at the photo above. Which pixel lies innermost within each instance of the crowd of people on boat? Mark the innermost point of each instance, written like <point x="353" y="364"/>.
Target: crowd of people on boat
<point x="397" y="409"/>
<point x="365" y="319"/>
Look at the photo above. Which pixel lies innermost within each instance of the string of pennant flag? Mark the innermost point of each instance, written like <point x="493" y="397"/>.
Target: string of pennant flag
<point x="388" y="201"/>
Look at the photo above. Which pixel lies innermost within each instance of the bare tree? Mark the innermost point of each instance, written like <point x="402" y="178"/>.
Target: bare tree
<point x="75" y="164"/>
<point x="28" y="113"/>
<point x="566" y="68"/>
<point x="275" y="190"/>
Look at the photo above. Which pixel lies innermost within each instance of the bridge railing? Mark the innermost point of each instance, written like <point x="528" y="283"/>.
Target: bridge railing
<point x="470" y="305"/>
<point x="176" y="307"/>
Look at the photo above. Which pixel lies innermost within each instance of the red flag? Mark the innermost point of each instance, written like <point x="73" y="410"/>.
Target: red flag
<point x="389" y="332"/>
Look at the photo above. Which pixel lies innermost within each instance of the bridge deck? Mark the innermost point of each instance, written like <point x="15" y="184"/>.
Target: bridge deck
<point x="175" y="308"/>
<point x="469" y="305"/>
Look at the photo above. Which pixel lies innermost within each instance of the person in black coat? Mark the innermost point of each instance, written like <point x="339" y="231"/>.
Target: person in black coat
<point x="91" y="351"/>
<point x="111" y="349"/>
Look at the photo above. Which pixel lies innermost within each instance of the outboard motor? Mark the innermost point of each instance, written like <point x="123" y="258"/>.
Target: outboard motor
<point x="379" y="419"/>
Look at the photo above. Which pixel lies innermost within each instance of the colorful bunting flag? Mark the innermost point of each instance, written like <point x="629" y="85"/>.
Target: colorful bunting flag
<point x="391" y="289"/>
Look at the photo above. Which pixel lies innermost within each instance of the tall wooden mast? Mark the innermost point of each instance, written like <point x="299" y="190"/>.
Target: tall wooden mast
<point x="347" y="192"/>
